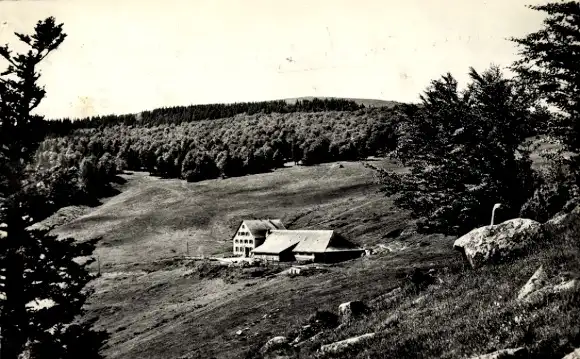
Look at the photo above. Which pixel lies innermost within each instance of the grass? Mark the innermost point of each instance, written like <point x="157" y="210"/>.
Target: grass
<point x="157" y="304"/>
<point x="474" y="312"/>
<point x="155" y="218"/>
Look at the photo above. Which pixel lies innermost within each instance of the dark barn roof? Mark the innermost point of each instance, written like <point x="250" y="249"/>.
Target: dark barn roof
<point x="260" y="227"/>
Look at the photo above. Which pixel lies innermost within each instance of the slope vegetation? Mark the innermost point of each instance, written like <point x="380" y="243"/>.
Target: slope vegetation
<point x="157" y="304"/>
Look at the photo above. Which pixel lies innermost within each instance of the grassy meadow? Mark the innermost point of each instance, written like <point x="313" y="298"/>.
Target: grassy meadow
<point x="155" y="303"/>
<point x="158" y="304"/>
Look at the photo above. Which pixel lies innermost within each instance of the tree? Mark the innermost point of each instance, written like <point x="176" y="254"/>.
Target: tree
<point x="465" y="155"/>
<point x="550" y="66"/>
<point x="278" y="159"/>
<point x="106" y="167"/>
<point x="198" y="166"/>
<point x="316" y="151"/>
<point x="89" y="173"/>
<point x="35" y="266"/>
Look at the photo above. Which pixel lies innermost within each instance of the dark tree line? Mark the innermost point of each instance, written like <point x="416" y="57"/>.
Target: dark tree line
<point x="183" y="114"/>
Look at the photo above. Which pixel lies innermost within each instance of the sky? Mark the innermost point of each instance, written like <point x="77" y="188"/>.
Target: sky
<point x="127" y="56"/>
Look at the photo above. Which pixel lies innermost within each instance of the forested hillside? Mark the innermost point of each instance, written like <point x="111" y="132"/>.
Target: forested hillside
<point x="77" y="168"/>
<point x="182" y="114"/>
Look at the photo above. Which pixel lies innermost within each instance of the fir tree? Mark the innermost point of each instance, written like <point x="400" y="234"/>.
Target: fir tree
<point x="550" y="66"/>
<point x="43" y="282"/>
<point x="464" y="152"/>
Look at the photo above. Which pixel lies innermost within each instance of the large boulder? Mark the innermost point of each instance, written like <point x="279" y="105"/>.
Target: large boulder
<point x="352" y="310"/>
<point x="541" y="285"/>
<point x="491" y="244"/>
<point x="574" y="355"/>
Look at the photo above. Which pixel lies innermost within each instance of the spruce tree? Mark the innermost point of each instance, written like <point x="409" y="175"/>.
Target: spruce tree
<point x="550" y="65"/>
<point x="42" y="287"/>
<point x="464" y="152"/>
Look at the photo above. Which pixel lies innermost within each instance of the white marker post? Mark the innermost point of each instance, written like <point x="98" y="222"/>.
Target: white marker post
<point x="496" y="206"/>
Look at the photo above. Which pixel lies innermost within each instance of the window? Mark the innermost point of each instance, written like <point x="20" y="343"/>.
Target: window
<point x="235" y="249"/>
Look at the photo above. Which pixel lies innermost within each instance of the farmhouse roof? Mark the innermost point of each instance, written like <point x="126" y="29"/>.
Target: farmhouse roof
<point x="320" y="241"/>
<point x="260" y="227"/>
<point x="277" y="242"/>
<point x="307" y="241"/>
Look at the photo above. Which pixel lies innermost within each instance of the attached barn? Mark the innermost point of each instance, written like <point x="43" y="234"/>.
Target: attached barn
<point x="307" y="246"/>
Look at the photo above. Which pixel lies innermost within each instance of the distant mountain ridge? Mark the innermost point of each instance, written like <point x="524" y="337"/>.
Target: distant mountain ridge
<point x="359" y="101"/>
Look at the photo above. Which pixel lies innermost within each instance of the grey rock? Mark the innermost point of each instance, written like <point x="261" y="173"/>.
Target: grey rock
<point x="491" y="244"/>
<point x="351" y="310"/>
<point x="337" y="347"/>
<point x="537" y="281"/>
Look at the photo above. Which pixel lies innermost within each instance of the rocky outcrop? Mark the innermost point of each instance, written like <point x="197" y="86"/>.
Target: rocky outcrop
<point x="388" y="299"/>
<point x="351" y="310"/>
<point x="505" y="353"/>
<point x="539" y="285"/>
<point x="537" y="281"/>
<point x="278" y="347"/>
<point x="343" y="344"/>
<point x="493" y="244"/>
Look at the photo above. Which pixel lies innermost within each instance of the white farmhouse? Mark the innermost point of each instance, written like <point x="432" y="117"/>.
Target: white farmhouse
<point x="252" y="233"/>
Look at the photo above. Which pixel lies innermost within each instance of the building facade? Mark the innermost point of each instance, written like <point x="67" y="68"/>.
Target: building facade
<point x="252" y="234"/>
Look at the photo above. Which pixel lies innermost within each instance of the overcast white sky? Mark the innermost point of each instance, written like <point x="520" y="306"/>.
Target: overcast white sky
<point x="131" y="55"/>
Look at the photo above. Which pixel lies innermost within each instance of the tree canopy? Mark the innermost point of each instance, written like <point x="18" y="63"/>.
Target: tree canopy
<point x="464" y="152"/>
